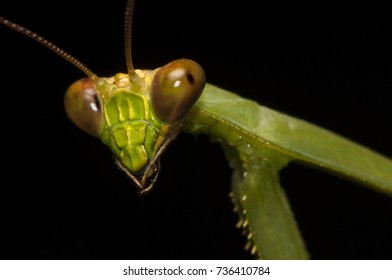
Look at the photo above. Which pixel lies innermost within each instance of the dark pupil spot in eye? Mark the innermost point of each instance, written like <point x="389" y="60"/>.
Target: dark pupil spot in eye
<point x="96" y="100"/>
<point x="190" y="78"/>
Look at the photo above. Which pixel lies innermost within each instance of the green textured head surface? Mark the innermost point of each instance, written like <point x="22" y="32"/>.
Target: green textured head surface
<point x="137" y="115"/>
<point x="131" y="131"/>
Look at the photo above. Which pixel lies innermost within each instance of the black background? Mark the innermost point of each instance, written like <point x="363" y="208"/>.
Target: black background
<point x="62" y="197"/>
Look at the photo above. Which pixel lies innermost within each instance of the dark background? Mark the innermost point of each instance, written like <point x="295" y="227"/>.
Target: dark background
<point x="62" y="197"/>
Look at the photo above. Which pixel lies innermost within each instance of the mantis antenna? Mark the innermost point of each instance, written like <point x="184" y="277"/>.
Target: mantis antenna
<point x="133" y="76"/>
<point x="128" y="36"/>
<point x="128" y="19"/>
<point x="49" y="45"/>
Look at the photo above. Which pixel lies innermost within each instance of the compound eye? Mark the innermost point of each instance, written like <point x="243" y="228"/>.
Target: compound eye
<point x="175" y="88"/>
<point x="83" y="106"/>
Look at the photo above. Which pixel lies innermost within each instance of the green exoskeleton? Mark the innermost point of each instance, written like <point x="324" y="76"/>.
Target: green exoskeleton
<point x="136" y="114"/>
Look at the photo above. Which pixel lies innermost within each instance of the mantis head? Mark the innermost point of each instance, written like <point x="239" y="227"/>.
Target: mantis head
<point x="136" y="114"/>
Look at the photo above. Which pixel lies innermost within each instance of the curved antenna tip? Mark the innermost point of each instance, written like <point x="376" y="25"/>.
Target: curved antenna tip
<point x="49" y="45"/>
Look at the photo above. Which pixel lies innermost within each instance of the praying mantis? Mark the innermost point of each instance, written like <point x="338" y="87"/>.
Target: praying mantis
<point x="197" y="170"/>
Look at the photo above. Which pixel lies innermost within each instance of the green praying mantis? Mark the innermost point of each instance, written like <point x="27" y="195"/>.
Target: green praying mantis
<point x="258" y="142"/>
